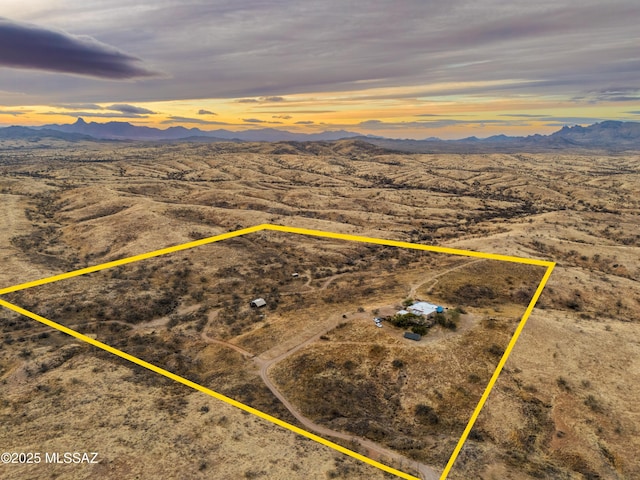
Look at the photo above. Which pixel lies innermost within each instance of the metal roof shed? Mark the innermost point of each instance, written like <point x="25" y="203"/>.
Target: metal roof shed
<point x="412" y="336"/>
<point x="258" y="302"/>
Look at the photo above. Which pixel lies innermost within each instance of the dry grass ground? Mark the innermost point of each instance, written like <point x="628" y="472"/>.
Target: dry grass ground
<point x="565" y="407"/>
<point x="143" y="427"/>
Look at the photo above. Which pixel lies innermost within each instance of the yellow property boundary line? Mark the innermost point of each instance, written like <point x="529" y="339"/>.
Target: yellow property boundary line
<point x="246" y="408"/>
<point x="202" y="389"/>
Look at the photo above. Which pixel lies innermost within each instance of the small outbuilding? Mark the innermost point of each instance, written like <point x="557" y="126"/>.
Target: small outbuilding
<point x="258" y="302"/>
<point x="412" y="336"/>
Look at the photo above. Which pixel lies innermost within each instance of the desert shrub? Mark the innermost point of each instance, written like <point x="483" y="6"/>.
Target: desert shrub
<point x="197" y="295"/>
<point x="397" y="363"/>
<point x="593" y="403"/>
<point x="254" y="474"/>
<point x="202" y="322"/>
<point x="563" y="384"/>
<point x="173" y="321"/>
<point x="446" y="321"/>
<point x="475" y="295"/>
<point x="349" y="365"/>
<point x="490" y="323"/>
<point x="425" y="414"/>
<point x="495" y="350"/>
<point x="523" y="295"/>
<point x="406" y="320"/>
<point x="420" y="329"/>
<point x="574" y="304"/>
<point x="473" y="378"/>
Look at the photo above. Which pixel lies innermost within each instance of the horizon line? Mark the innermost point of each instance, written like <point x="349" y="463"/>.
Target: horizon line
<point x="306" y="134"/>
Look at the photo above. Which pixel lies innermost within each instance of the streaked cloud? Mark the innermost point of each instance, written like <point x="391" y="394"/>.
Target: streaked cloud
<point x="257" y="120"/>
<point x="273" y="99"/>
<point x="117" y="110"/>
<point x="205" y="112"/>
<point x="126" y="108"/>
<point x="199" y="121"/>
<point x="572" y="120"/>
<point x="561" y="120"/>
<point x="522" y="115"/>
<point x="285" y="112"/>
<point x="76" y="106"/>
<point x="98" y="114"/>
<point x="433" y="124"/>
<point x="12" y="112"/>
<point x="619" y="94"/>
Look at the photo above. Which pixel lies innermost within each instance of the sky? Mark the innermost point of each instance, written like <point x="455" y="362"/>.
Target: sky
<point x="400" y="69"/>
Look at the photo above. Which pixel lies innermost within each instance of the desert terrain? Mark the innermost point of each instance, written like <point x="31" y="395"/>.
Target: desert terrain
<point x="564" y="406"/>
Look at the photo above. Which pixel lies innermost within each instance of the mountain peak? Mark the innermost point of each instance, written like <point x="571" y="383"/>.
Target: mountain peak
<point x="610" y="124"/>
<point x="80" y="121"/>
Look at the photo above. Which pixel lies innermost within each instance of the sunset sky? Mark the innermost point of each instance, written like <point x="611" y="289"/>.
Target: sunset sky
<point x="403" y="69"/>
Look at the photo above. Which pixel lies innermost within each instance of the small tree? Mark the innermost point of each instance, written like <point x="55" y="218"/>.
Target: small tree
<point x="420" y="329"/>
<point x="407" y="302"/>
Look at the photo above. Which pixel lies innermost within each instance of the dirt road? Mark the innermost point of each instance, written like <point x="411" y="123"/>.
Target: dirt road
<point x="212" y="316"/>
<point x="373" y="450"/>
<point x="435" y="278"/>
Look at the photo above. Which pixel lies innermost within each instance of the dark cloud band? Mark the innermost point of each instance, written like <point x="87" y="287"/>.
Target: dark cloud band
<point x="29" y="46"/>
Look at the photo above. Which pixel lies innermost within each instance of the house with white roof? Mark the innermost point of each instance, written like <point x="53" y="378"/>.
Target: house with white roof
<point x="424" y="308"/>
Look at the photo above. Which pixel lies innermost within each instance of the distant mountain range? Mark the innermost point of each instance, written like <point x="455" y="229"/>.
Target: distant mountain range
<point x="28" y="133"/>
<point x="609" y="135"/>
<point x="126" y="131"/>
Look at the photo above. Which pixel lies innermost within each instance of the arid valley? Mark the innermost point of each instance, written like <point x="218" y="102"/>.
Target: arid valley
<point x="565" y="405"/>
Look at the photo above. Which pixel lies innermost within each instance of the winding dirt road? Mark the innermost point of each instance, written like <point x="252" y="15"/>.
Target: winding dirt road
<point x="372" y="449"/>
<point x="268" y="359"/>
<point x="435" y="278"/>
<point x="212" y="316"/>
